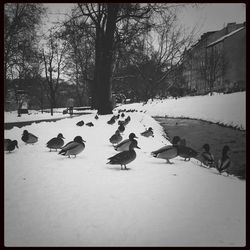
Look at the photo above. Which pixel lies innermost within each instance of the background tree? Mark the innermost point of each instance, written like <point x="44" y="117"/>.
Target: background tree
<point x="54" y="65"/>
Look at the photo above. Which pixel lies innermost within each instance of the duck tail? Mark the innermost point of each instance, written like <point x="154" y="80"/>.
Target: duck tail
<point x="153" y="154"/>
<point x="62" y="152"/>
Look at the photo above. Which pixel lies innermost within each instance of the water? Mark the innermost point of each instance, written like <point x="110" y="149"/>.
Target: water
<point x="197" y="133"/>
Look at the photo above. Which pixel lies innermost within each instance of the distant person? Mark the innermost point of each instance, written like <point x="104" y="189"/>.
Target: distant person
<point x="70" y="106"/>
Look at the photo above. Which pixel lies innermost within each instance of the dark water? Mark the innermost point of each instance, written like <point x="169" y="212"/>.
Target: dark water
<point x="197" y="133"/>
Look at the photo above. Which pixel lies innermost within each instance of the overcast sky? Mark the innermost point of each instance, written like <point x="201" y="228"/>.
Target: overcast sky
<point x="208" y="16"/>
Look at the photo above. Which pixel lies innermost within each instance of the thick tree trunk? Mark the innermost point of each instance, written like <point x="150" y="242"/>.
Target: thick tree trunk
<point x="102" y="88"/>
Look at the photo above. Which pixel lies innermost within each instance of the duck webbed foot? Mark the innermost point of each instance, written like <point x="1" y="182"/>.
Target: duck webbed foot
<point x="169" y="162"/>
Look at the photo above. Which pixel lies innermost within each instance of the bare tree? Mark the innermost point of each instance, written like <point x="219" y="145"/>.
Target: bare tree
<point x="54" y="65"/>
<point x="105" y="19"/>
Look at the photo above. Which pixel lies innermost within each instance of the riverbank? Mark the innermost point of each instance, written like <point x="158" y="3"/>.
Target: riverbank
<point x="197" y="133"/>
<point x="224" y="109"/>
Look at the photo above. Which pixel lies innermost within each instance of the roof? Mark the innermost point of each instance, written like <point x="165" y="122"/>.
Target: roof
<point x="226" y="36"/>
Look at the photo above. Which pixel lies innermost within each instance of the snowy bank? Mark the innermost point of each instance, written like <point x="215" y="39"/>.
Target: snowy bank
<point x="51" y="200"/>
<point x="228" y="109"/>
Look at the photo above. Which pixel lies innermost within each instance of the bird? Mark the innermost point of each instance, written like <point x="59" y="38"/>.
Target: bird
<point x="207" y="157"/>
<point x="111" y="121"/>
<point x="186" y="152"/>
<point x="121" y="128"/>
<point x="126" y="121"/>
<point x="56" y="142"/>
<point x="74" y="147"/>
<point x="29" y="138"/>
<point x="124" y="145"/>
<point x="116" y="138"/>
<point x="182" y="142"/>
<point x="90" y="124"/>
<point x="6" y="143"/>
<point x="10" y="145"/>
<point x="148" y="132"/>
<point x="125" y="157"/>
<point x="80" y="123"/>
<point x="168" y="152"/>
<point x="225" y="162"/>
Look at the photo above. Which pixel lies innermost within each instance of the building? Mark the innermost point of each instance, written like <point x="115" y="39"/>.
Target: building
<point x="217" y="62"/>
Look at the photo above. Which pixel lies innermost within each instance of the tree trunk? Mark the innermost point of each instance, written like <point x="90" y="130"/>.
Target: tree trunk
<point x="102" y="86"/>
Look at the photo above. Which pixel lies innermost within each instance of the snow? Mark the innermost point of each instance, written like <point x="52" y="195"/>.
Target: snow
<point x="227" y="109"/>
<point x="51" y="200"/>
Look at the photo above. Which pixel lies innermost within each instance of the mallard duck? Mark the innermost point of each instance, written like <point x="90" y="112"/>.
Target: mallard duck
<point x="148" y="132"/>
<point x="186" y="152"/>
<point x="207" y="157"/>
<point x="116" y="138"/>
<point x="74" y="147"/>
<point x="10" y="145"/>
<point x="225" y="162"/>
<point x="121" y="128"/>
<point x="56" y="142"/>
<point x="80" y="123"/>
<point x="111" y="121"/>
<point x="125" y="157"/>
<point x="167" y="152"/>
<point x="6" y="143"/>
<point x="29" y="138"/>
<point x="90" y="124"/>
<point x="124" y="145"/>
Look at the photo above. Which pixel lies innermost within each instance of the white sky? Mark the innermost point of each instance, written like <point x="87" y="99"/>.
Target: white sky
<point x="208" y="16"/>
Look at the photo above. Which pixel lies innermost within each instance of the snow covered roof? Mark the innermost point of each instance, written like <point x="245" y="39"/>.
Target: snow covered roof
<point x="226" y="36"/>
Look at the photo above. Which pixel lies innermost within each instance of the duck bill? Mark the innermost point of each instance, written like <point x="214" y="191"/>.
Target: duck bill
<point x="136" y="137"/>
<point x="138" y="147"/>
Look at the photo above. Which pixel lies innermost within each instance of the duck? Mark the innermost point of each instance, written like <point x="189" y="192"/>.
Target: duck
<point x="6" y="143"/>
<point x="167" y="152"/>
<point x="80" y="123"/>
<point x="121" y="128"/>
<point x="56" y="142"/>
<point x="111" y="121"/>
<point x="125" y="157"/>
<point x="116" y="138"/>
<point x="225" y="162"/>
<point x="207" y="157"/>
<point x="148" y="132"/>
<point x="90" y="124"/>
<point x="124" y="145"/>
<point x="74" y="147"/>
<point x="186" y="152"/>
<point x="29" y="138"/>
<point x="10" y="145"/>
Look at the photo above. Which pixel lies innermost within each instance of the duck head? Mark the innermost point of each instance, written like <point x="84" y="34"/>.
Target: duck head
<point x="15" y="143"/>
<point x="132" y="136"/>
<point x="150" y="129"/>
<point x="25" y="132"/>
<point x="117" y="132"/>
<point x="175" y="140"/>
<point x="206" y="147"/>
<point x="79" y="139"/>
<point x="60" y="135"/>
<point x="225" y="150"/>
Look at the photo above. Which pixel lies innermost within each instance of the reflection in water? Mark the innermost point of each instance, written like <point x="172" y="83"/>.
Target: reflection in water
<point x="197" y="133"/>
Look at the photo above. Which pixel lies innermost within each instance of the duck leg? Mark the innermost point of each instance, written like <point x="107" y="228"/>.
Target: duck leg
<point x="169" y="162"/>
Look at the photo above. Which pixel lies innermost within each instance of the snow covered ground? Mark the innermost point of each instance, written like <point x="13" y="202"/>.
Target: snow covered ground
<point x="228" y="109"/>
<point x="51" y="200"/>
<point x="35" y="115"/>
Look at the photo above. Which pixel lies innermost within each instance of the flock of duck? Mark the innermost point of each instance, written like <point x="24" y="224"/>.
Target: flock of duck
<point x="126" y="147"/>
